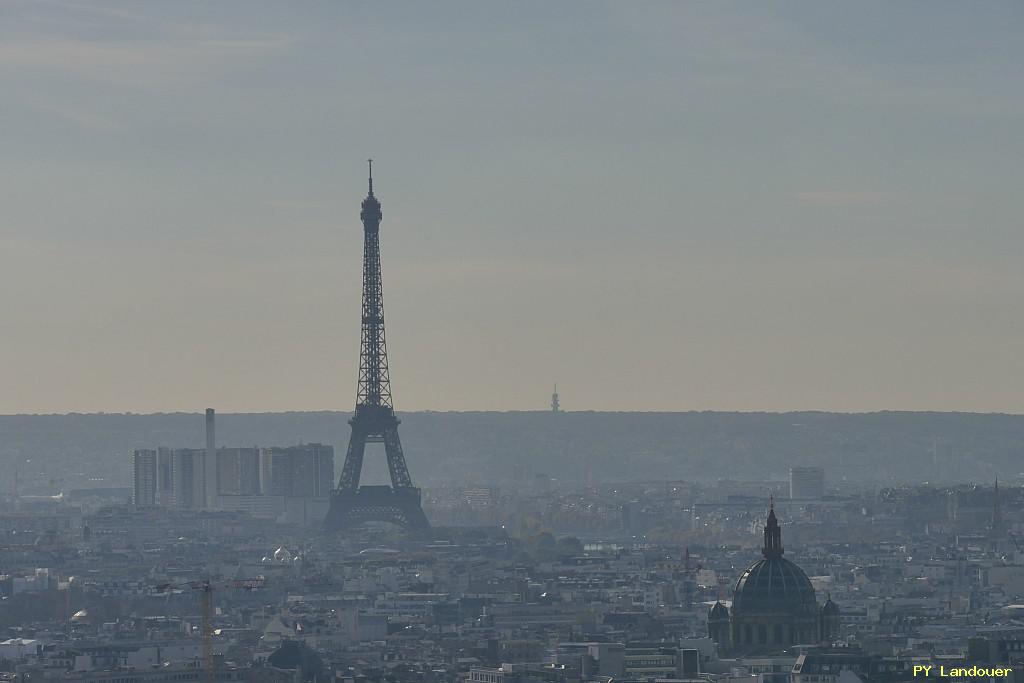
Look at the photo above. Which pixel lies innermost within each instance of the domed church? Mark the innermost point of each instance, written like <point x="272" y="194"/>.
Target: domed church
<point x="773" y="605"/>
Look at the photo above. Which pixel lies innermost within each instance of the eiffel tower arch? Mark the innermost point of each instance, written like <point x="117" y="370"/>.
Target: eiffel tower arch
<point x="374" y="420"/>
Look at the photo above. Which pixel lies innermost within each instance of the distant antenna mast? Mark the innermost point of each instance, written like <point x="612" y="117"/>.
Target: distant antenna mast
<point x="555" y="405"/>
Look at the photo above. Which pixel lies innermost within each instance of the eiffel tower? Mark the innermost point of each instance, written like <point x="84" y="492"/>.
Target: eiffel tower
<point x="374" y="420"/>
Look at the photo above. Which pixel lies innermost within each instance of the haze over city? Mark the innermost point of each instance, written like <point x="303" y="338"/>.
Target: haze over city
<point x="660" y="206"/>
<point x="702" y="360"/>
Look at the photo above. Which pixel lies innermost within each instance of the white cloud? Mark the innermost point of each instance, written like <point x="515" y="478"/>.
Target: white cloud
<point x="134" y="63"/>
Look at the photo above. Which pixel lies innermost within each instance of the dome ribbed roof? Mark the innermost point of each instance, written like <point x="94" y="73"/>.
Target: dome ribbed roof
<point x="774" y="584"/>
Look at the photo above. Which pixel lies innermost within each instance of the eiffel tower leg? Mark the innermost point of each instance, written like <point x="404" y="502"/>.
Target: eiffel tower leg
<point x="353" y="468"/>
<point x="339" y="515"/>
<point x="396" y="459"/>
<point x="417" y="519"/>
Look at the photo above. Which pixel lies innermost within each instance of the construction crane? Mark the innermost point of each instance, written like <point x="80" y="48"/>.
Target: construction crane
<point x="205" y="588"/>
<point x="206" y="604"/>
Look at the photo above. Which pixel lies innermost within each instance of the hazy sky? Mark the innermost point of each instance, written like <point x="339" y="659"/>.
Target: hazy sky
<point x="660" y="206"/>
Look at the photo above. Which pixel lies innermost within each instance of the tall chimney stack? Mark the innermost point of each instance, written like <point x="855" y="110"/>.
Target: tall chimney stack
<point x="210" y="464"/>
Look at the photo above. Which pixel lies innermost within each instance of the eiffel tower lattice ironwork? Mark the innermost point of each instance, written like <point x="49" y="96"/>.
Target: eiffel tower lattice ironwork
<point x="374" y="420"/>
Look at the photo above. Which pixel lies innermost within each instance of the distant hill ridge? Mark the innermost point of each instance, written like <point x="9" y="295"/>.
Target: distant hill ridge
<point x="478" y="447"/>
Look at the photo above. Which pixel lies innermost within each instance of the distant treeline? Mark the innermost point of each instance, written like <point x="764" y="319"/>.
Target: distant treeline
<point x="514" y="448"/>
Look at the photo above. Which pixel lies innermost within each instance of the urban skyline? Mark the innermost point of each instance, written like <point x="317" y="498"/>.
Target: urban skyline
<point x="703" y="342"/>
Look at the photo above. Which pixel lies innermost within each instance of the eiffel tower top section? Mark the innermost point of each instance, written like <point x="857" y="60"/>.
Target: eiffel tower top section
<point x="370" y="215"/>
<point x="374" y="389"/>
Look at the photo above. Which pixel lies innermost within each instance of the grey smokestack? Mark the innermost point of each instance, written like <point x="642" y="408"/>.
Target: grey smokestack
<point x="210" y="464"/>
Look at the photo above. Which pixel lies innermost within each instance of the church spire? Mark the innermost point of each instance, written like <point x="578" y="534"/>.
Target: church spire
<point x="772" y="534"/>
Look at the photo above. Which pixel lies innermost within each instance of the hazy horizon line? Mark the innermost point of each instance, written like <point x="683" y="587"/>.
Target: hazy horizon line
<point x="880" y="411"/>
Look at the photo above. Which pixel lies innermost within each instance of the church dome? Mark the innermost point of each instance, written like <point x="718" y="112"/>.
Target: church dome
<point x="776" y="585"/>
<point x="829" y="607"/>
<point x="718" y="611"/>
<point x="773" y="605"/>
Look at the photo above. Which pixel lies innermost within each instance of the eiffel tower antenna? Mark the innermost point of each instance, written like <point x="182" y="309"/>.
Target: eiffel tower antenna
<point x="374" y="420"/>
